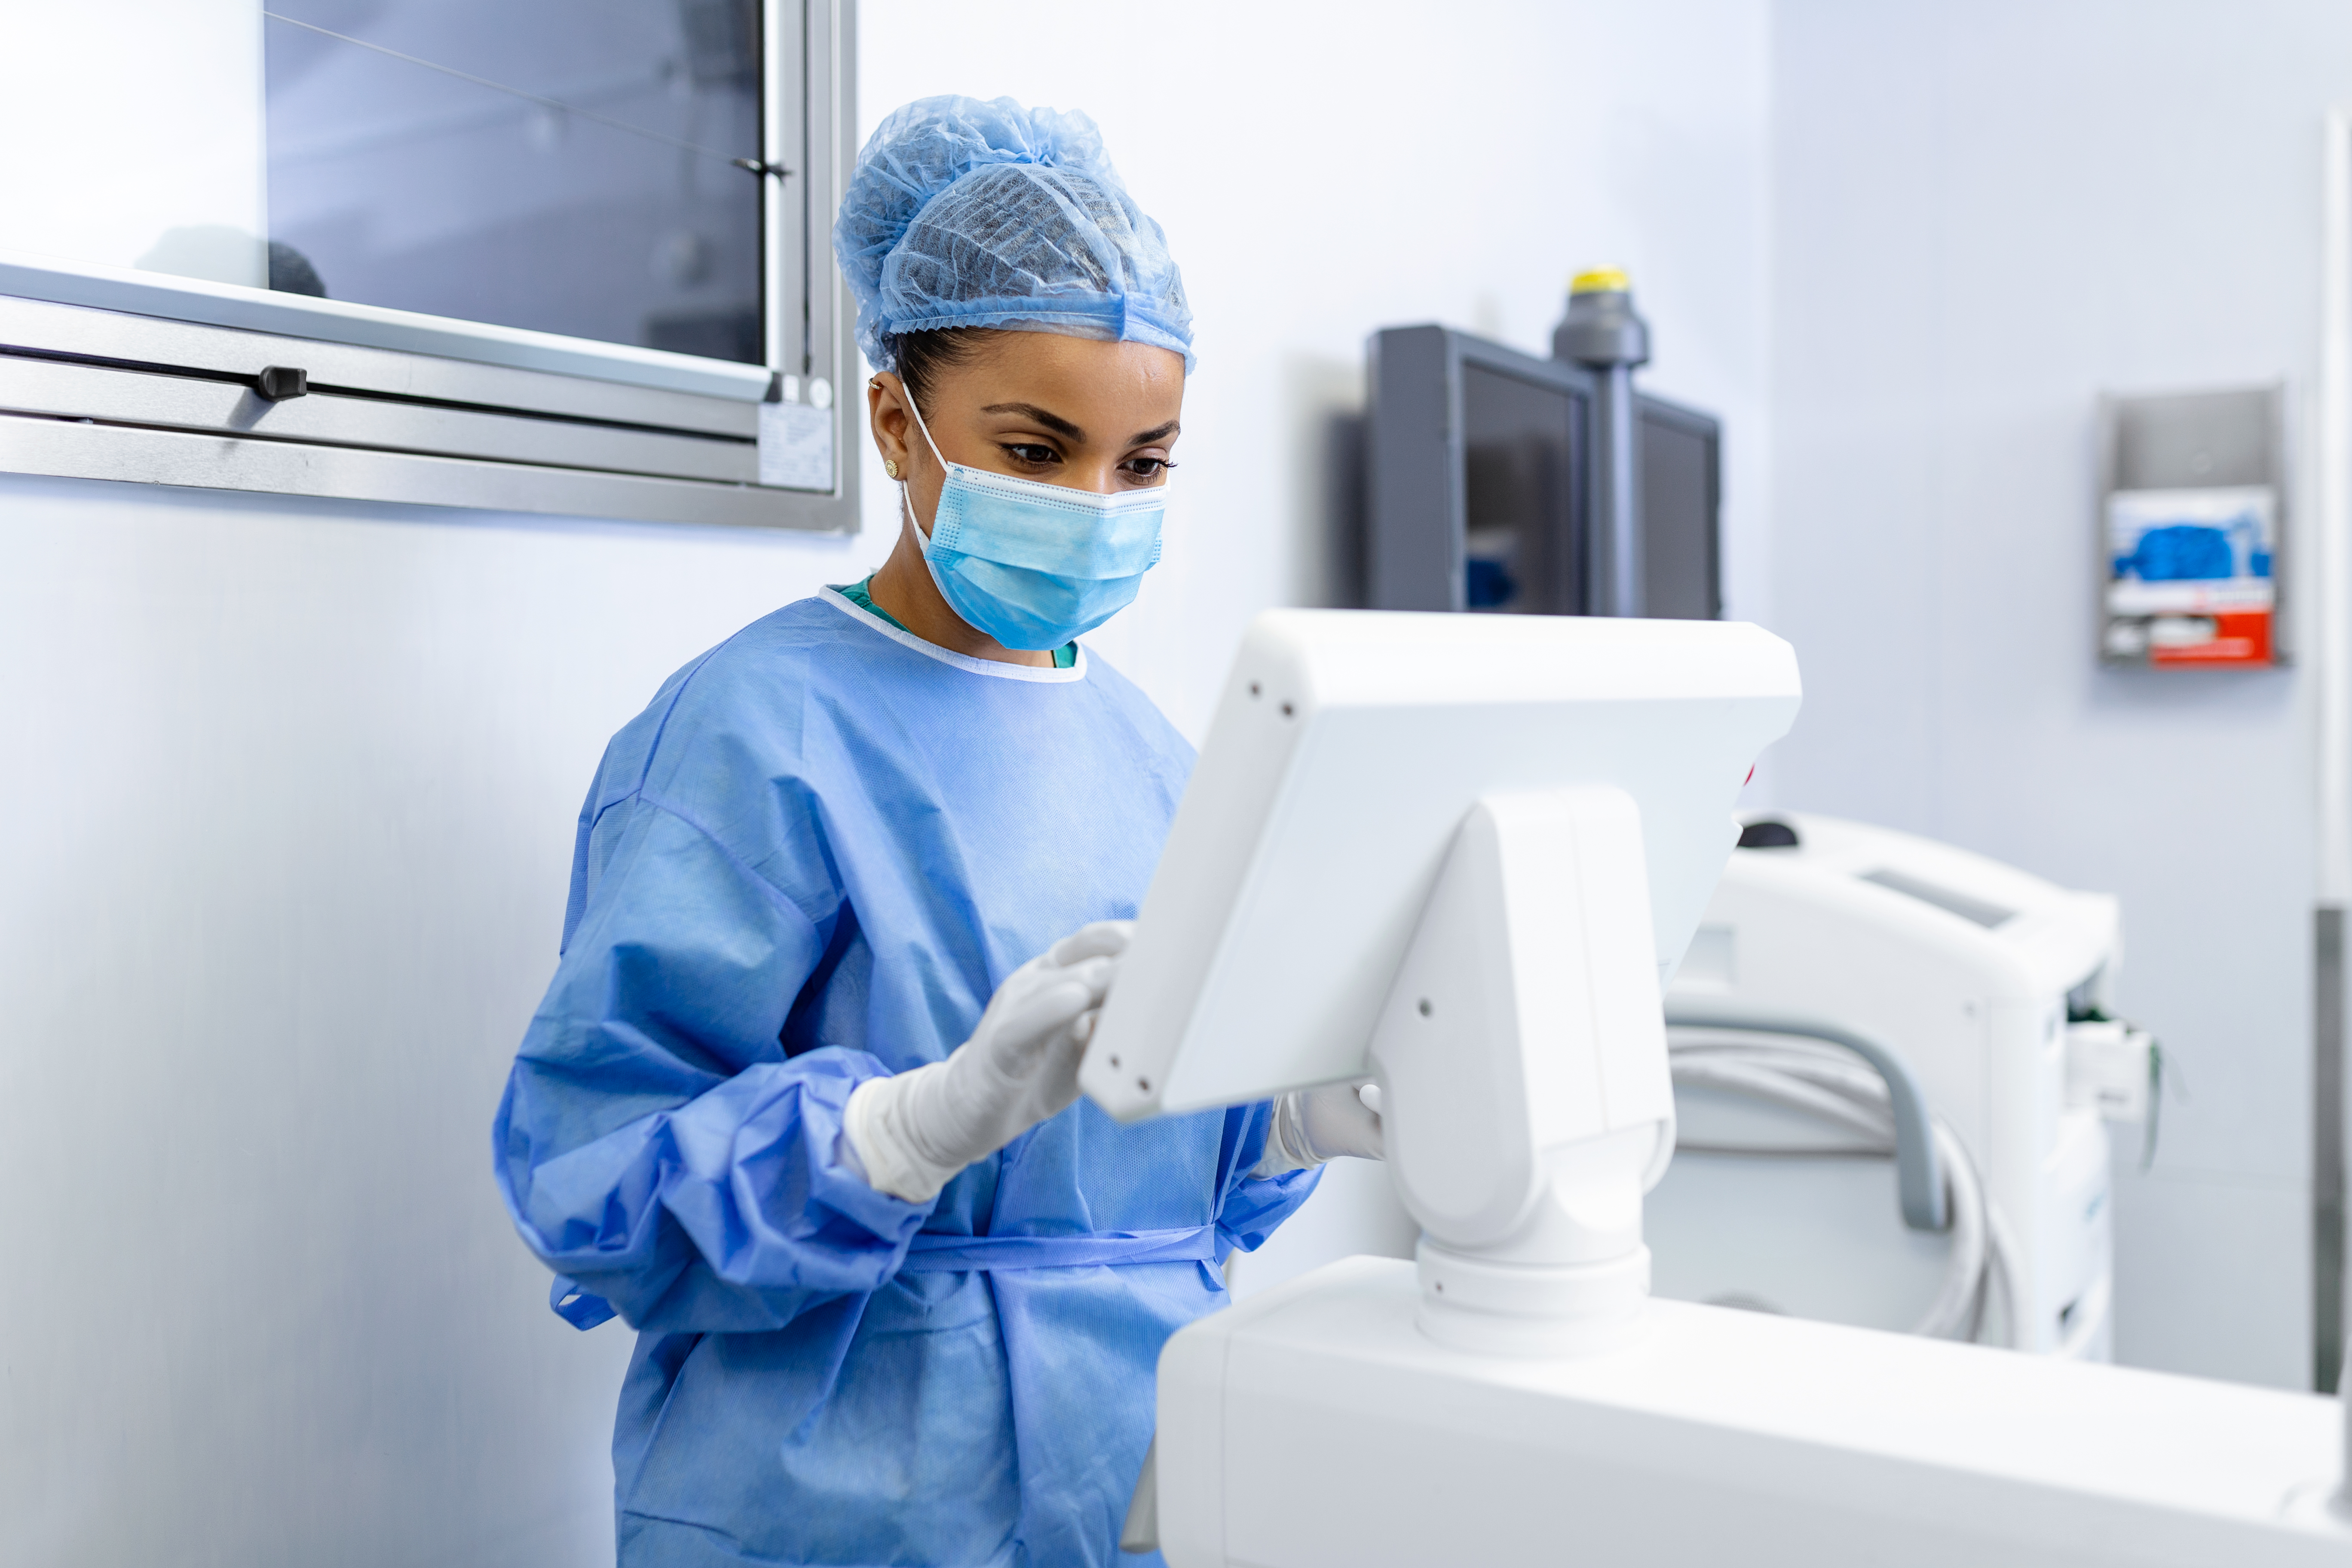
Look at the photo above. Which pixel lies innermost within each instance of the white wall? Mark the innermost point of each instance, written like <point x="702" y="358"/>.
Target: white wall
<point x="289" y="805"/>
<point x="1983" y="216"/>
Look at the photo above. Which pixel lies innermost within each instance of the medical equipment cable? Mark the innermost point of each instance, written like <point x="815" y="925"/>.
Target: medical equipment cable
<point x="1791" y="1066"/>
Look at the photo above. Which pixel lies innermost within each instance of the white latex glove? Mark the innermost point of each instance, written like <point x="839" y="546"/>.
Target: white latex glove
<point x="1312" y="1125"/>
<point x="911" y="1132"/>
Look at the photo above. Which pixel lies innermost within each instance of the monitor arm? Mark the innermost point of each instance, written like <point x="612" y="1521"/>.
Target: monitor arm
<point x="1524" y="1088"/>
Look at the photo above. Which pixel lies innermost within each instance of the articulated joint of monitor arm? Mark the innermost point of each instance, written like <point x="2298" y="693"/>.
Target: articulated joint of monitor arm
<point x="1527" y="1103"/>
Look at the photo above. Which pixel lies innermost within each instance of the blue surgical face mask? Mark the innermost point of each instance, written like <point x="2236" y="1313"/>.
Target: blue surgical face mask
<point x="1033" y="564"/>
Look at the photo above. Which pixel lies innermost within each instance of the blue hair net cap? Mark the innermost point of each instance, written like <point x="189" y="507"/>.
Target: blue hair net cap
<point x="970" y="214"/>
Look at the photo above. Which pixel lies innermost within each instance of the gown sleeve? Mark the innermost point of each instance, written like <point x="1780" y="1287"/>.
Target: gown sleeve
<point x="1250" y="1208"/>
<point x="655" y="1147"/>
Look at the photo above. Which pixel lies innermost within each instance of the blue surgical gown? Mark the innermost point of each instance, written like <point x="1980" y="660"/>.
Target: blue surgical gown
<point x="808" y="863"/>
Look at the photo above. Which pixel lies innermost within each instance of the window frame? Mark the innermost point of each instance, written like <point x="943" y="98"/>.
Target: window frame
<point x="115" y="373"/>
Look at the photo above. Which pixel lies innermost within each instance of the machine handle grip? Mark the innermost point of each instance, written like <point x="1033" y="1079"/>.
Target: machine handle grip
<point x="1919" y="1173"/>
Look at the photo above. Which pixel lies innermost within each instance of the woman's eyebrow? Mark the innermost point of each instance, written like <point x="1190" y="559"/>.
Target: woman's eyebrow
<point x="1156" y="433"/>
<point x="1051" y="421"/>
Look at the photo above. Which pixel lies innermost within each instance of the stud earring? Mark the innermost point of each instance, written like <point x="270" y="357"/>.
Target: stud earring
<point x="890" y="466"/>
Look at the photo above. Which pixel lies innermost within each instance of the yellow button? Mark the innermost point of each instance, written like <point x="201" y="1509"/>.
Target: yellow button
<point x="1600" y="281"/>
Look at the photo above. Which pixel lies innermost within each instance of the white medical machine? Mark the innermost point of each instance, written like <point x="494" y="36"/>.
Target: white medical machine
<point x="1460" y="853"/>
<point x="1991" y="989"/>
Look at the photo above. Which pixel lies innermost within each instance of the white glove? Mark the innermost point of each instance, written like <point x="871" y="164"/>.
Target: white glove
<point x="910" y="1133"/>
<point x="1312" y="1125"/>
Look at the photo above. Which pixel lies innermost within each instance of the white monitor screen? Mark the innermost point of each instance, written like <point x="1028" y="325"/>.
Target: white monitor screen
<point x="1346" y="751"/>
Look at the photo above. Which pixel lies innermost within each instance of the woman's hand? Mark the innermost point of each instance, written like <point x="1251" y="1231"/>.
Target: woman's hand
<point x="912" y="1132"/>
<point x="1313" y="1125"/>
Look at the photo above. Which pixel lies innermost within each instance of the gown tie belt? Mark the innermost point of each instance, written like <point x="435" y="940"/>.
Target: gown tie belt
<point x="936" y="1252"/>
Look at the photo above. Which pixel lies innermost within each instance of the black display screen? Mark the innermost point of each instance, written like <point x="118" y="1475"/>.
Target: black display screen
<point x="1681" y="575"/>
<point x="1521" y="457"/>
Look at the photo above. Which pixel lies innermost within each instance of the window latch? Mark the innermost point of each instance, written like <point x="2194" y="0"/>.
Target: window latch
<point x="278" y="383"/>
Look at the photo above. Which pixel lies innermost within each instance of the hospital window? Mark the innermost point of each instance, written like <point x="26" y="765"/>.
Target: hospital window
<point x="555" y="256"/>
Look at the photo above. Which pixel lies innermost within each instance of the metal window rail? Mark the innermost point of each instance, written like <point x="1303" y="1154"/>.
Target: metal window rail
<point x="92" y="393"/>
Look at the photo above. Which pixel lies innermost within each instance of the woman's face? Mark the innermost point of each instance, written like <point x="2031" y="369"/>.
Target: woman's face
<point x="1093" y="415"/>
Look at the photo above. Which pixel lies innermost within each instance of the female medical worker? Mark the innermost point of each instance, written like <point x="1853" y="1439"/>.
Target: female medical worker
<point x="799" y="1103"/>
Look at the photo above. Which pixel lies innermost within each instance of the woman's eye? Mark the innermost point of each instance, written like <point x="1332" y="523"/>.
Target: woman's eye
<point x="1030" y="452"/>
<point x="1147" y="468"/>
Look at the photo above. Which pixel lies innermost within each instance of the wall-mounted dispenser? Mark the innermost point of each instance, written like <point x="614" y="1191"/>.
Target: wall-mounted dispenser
<point x="2191" y="514"/>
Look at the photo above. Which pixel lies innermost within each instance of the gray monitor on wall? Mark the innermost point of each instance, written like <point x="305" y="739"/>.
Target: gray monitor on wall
<point x="1478" y="478"/>
<point x="1682" y="505"/>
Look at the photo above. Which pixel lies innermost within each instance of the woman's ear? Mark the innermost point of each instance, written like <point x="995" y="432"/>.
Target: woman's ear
<point x="885" y="407"/>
